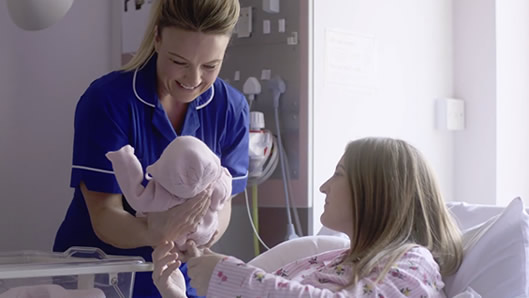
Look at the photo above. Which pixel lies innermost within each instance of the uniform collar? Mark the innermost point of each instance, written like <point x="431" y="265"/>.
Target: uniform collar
<point x="144" y="87"/>
<point x="144" y="83"/>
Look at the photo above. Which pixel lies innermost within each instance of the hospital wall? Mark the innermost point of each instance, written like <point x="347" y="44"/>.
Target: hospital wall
<point x="512" y="100"/>
<point x="42" y="75"/>
<point x="407" y="49"/>
<point x="421" y="50"/>
<point x="491" y="71"/>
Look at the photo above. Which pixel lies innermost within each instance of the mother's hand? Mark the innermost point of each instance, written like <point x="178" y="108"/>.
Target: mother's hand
<point x="201" y="266"/>
<point x="166" y="276"/>
<point x="179" y="220"/>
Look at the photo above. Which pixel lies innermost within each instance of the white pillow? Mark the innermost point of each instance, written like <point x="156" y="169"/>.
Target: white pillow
<point x="495" y="261"/>
<point x="470" y="215"/>
<point x="295" y="249"/>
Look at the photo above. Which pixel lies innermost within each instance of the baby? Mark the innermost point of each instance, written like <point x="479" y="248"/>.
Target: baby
<point x="186" y="167"/>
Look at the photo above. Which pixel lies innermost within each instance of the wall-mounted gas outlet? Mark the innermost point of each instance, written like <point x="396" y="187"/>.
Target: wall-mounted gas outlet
<point x="244" y="25"/>
<point x="271" y="6"/>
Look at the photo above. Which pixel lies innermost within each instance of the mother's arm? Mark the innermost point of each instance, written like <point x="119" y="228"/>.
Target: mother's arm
<point x="414" y="274"/>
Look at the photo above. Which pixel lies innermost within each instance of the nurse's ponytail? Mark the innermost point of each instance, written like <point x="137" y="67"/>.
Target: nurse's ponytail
<point x="206" y="16"/>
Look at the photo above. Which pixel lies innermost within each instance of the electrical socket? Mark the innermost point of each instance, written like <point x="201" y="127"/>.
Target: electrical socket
<point x="450" y="114"/>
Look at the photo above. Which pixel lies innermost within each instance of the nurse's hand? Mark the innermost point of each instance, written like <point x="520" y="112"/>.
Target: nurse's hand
<point x="166" y="275"/>
<point x="200" y="268"/>
<point x="179" y="220"/>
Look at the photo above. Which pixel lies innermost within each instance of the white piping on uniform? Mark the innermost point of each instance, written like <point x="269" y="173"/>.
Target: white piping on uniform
<point x="92" y="169"/>
<point x="241" y="177"/>
<point x="135" y="92"/>
<point x="147" y="176"/>
<point x="209" y="100"/>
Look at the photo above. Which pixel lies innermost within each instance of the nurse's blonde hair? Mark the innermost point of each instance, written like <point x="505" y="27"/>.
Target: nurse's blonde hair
<point x="396" y="205"/>
<point x="206" y="16"/>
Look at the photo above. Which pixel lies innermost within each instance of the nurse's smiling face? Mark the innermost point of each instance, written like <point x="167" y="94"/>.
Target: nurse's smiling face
<point x="188" y="62"/>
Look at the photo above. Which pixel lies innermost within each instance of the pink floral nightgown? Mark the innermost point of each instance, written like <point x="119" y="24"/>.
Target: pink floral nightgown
<point x="415" y="274"/>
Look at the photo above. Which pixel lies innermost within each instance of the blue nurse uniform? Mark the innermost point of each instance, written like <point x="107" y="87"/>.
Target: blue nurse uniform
<point x="122" y="108"/>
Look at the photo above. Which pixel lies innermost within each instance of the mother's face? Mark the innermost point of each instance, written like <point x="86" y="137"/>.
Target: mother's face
<point x="338" y="213"/>
<point x="188" y="62"/>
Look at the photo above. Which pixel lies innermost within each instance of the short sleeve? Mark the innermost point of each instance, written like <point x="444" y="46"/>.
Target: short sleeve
<point x="236" y="143"/>
<point x="99" y="127"/>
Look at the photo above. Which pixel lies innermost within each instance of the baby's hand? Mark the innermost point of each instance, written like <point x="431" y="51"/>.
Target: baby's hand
<point x="124" y="154"/>
<point x="128" y="149"/>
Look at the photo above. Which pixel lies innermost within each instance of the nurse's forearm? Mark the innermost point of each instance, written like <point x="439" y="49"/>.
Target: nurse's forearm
<point x="112" y="224"/>
<point x="122" y="230"/>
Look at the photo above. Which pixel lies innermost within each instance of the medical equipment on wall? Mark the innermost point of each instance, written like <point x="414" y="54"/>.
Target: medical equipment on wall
<point x="34" y="15"/>
<point x="251" y="88"/>
<point x="263" y="155"/>
<point x="278" y="87"/>
<point x="260" y="148"/>
<point x="265" y="151"/>
<point x="262" y="152"/>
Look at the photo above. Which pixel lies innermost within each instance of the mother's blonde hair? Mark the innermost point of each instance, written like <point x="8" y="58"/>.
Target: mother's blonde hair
<point x="206" y="16"/>
<point x="396" y="205"/>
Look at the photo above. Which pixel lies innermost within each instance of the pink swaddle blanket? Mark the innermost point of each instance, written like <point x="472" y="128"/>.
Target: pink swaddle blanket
<point x="186" y="167"/>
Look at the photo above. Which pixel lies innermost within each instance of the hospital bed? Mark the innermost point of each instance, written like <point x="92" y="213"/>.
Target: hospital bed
<point x="496" y="246"/>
